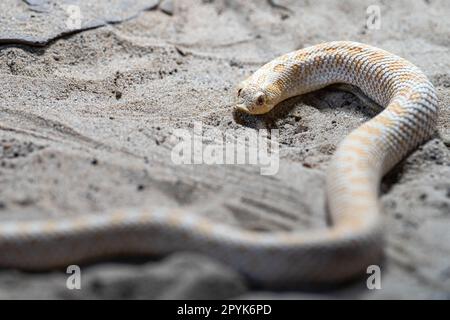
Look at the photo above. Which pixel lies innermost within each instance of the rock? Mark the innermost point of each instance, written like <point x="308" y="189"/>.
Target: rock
<point x="180" y="276"/>
<point x="51" y="19"/>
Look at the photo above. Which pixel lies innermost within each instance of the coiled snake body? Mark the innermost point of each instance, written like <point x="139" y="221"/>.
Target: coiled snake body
<point x="354" y="239"/>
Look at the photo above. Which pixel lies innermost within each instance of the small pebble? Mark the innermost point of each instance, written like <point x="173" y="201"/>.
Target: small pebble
<point x="167" y="7"/>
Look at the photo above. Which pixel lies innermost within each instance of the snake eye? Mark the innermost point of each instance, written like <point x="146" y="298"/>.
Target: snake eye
<point x="239" y="92"/>
<point x="260" y="100"/>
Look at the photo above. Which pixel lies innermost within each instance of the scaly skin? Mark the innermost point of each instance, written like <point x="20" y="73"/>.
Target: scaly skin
<point x="344" y="250"/>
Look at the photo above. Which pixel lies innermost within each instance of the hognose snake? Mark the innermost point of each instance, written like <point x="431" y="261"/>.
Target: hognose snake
<point x="352" y="242"/>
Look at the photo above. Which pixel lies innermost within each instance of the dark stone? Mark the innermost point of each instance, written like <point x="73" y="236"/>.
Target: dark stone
<point x="37" y="22"/>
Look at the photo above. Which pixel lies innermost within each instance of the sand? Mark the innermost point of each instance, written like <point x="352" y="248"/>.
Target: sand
<point x="87" y="118"/>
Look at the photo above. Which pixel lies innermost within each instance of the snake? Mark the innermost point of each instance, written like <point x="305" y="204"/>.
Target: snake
<point x="342" y="250"/>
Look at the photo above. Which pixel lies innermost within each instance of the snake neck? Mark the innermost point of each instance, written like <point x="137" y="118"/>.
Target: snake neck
<point x="375" y="71"/>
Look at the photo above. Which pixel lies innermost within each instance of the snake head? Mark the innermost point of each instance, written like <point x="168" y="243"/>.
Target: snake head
<point x="252" y="100"/>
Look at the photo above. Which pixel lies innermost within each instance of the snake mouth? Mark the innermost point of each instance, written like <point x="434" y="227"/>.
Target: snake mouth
<point x="241" y="107"/>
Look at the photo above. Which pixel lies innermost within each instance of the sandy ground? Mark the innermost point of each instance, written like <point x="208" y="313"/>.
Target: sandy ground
<point x="86" y="123"/>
